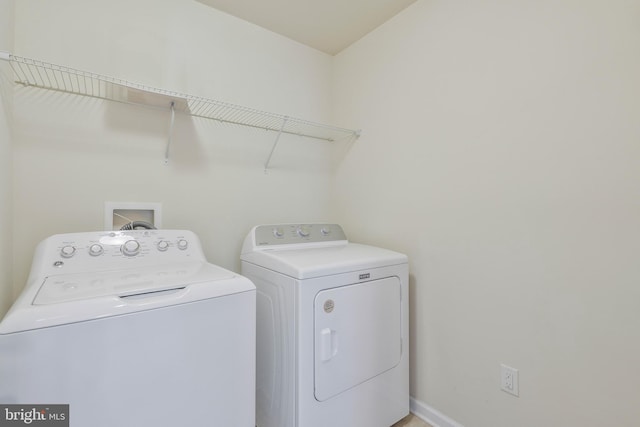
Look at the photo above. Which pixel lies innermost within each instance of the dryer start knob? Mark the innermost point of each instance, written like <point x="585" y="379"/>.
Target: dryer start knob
<point x="303" y="231"/>
<point x="183" y="244"/>
<point x="130" y="248"/>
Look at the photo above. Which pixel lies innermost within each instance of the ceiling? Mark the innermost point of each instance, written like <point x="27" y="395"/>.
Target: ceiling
<point x="326" y="25"/>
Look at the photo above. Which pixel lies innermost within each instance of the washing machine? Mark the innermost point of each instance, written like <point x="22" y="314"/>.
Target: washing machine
<point x="332" y="331"/>
<point x="130" y="329"/>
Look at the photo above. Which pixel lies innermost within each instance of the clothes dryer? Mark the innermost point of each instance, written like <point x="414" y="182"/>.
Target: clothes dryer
<point x="131" y="329"/>
<point x="332" y="328"/>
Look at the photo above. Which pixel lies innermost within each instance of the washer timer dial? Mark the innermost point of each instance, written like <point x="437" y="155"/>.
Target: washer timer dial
<point x="130" y="248"/>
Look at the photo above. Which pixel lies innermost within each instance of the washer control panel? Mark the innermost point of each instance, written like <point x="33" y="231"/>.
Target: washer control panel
<point x="283" y="234"/>
<point x="119" y="249"/>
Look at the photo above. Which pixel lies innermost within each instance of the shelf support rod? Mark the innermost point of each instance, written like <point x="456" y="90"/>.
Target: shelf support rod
<point x="173" y="117"/>
<point x="275" y="143"/>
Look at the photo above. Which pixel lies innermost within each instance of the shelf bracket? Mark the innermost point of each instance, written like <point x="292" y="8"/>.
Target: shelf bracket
<point x="275" y="143"/>
<point x="173" y="117"/>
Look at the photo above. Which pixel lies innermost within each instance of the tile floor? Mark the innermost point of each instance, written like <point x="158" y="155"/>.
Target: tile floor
<point x="411" y="421"/>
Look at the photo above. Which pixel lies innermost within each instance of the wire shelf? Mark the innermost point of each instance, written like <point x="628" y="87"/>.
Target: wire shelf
<point x="32" y="72"/>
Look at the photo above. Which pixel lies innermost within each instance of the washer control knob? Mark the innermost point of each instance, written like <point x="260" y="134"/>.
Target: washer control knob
<point x="278" y="232"/>
<point x="130" y="248"/>
<point x="325" y="231"/>
<point x="303" y="231"/>
<point x="67" y="251"/>
<point x="183" y="244"/>
<point x="163" y="245"/>
<point x="96" y="249"/>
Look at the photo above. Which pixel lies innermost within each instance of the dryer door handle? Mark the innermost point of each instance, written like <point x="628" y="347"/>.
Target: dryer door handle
<point x="328" y="344"/>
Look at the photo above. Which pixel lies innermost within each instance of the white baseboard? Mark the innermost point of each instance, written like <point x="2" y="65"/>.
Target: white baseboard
<point x="431" y="415"/>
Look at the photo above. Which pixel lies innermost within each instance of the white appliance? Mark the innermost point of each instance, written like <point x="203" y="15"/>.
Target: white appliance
<point x="134" y="329"/>
<point x="332" y="337"/>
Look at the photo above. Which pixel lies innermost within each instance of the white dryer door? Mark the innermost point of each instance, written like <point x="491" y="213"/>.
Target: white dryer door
<point x="357" y="334"/>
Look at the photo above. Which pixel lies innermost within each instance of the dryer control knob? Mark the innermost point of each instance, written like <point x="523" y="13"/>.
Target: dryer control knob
<point x="96" y="249"/>
<point x="67" y="251"/>
<point x="303" y="232"/>
<point x="163" y="245"/>
<point x="183" y="244"/>
<point x="130" y="248"/>
<point x="278" y="232"/>
<point x="325" y="231"/>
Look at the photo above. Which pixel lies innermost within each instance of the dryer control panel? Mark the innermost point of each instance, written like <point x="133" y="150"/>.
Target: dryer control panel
<point x="283" y="234"/>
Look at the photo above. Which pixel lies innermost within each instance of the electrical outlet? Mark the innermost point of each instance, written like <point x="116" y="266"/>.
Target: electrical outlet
<point x="509" y="379"/>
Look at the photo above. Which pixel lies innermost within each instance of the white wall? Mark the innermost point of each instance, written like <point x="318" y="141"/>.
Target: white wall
<point x="6" y="108"/>
<point x="73" y="154"/>
<point x="501" y="151"/>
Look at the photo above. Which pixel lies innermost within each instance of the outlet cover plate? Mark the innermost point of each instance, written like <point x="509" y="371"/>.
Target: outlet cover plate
<point x="509" y="380"/>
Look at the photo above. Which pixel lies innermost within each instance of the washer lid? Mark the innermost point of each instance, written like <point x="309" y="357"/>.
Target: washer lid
<point x="64" y="299"/>
<point x="306" y="263"/>
<point x="123" y="283"/>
